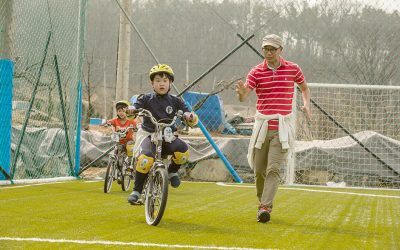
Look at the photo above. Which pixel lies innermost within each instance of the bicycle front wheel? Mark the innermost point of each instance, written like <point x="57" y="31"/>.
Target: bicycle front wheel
<point x="156" y="196"/>
<point x="108" y="180"/>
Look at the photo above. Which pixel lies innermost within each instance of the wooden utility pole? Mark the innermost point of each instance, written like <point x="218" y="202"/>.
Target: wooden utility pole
<point x="104" y="89"/>
<point x="187" y="72"/>
<point x="124" y="53"/>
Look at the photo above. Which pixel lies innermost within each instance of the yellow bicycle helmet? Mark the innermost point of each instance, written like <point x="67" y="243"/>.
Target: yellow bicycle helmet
<point x="122" y="104"/>
<point x="161" y="68"/>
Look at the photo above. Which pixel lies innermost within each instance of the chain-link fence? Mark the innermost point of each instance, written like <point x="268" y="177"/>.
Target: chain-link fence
<point x="345" y="42"/>
<point x="43" y="40"/>
<point x="352" y="138"/>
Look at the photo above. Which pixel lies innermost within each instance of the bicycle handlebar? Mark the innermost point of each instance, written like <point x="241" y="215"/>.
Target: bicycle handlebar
<point x="123" y="132"/>
<point x="146" y="113"/>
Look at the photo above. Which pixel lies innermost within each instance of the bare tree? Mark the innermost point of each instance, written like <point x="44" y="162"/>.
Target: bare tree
<point x="6" y="29"/>
<point x="88" y="88"/>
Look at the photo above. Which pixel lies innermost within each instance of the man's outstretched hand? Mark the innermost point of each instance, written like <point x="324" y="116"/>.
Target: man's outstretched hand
<point x="242" y="91"/>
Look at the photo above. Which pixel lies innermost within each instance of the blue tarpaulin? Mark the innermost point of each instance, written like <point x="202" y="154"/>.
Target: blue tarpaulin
<point x="211" y="113"/>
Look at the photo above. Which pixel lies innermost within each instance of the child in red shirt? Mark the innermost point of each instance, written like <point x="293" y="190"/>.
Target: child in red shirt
<point x="121" y="123"/>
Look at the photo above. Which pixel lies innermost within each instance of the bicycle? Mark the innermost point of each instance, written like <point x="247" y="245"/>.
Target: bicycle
<point x="155" y="191"/>
<point x="123" y="171"/>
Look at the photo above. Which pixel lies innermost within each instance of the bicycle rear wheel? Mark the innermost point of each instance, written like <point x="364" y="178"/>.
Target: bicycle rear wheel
<point x="108" y="180"/>
<point x="126" y="179"/>
<point x="156" y="196"/>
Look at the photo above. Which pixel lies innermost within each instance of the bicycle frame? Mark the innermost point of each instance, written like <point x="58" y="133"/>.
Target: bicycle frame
<point x="116" y="170"/>
<point x="156" y="186"/>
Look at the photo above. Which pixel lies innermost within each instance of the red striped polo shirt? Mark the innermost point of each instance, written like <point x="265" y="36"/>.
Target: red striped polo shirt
<point x="275" y="88"/>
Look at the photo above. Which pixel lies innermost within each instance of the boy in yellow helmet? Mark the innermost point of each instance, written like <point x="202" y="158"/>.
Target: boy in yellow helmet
<point x="163" y="106"/>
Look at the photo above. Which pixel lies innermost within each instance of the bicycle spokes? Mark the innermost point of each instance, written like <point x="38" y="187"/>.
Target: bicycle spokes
<point x="156" y="198"/>
<point x="109" y="175"/>
<point x="156" y="195"/>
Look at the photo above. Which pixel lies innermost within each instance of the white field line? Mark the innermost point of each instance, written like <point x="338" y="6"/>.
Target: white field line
<point x="30" y="185"/>
<point x="34" y="181"/>
<point x="4" y="184"/>
<point x="44" y="183"/>
<point x="120" y="243"/>
<point x="55" y="182"/>
<point x="315" y="190"/>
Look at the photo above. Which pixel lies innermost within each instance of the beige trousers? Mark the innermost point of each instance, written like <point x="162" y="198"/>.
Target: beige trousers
<point x="267" y="162"/>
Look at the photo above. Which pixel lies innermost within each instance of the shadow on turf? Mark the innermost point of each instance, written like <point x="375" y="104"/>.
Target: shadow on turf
<point x="180" y="226"/>
<point x="312" y="229"/>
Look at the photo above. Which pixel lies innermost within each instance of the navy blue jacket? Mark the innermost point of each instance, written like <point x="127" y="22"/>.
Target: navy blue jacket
<point x="161" y="106"/>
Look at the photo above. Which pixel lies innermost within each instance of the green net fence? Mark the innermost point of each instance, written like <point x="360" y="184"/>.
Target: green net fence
<point x="350" y="43"/>
<point x="353" y="43"/>
<point x="45" y="41"/>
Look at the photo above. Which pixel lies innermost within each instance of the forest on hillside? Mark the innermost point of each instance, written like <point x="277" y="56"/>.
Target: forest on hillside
<point x="344" y="42"/>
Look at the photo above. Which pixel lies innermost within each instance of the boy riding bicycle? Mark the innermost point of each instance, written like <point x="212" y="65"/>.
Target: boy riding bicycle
<point x="122" y="123"/>
<point x="163" y="107"/>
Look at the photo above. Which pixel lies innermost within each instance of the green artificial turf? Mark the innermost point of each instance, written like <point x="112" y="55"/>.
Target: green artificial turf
<point x="198" y="215"/>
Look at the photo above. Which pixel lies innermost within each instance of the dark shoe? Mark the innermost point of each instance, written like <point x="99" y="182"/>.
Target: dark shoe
<point x="133" y="198"/>
<point x="119" y="175"/>
<point x="174" y="179"/>
<point x="264" y="214"/>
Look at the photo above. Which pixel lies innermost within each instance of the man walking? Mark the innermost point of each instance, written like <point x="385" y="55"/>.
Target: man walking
<point x="273" y="80"/>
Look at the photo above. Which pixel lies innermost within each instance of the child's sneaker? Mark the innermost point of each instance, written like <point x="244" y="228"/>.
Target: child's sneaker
<point x="264" y="214"/>
<point x="174" y="179"/>
<point x="133" y="198"/>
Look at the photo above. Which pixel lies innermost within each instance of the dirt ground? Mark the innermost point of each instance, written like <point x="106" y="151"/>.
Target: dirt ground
<point x="94" y="173"/>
